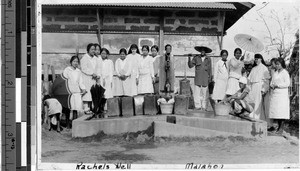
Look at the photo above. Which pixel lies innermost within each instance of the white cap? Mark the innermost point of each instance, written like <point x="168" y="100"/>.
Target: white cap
<point x="243" y="80"/>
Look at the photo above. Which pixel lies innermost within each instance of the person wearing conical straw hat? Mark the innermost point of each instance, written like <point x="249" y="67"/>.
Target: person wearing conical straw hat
<point x="202" y="64"/>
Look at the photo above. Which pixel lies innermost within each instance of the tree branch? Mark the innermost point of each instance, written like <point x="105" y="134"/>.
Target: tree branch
<point x="270" y="34"/>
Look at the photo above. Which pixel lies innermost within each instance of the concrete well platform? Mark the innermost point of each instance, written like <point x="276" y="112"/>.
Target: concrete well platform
<point x="195" y="123"/>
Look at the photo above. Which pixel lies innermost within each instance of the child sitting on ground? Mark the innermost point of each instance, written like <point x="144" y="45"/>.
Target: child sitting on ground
<point x="240" y="101"/>
<point x="53" y="112"/>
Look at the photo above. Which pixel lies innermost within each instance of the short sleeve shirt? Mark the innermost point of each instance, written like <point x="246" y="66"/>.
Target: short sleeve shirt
<point x="54" y="106"/>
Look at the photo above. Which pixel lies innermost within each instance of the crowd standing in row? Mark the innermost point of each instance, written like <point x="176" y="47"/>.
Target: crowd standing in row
<point x="263" y="92"/>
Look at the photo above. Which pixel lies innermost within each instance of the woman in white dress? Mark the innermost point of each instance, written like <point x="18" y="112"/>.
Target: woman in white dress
<point x="133" y="56"/>
<point x="123" y="70"/>
<point x="156" y="64"/>
<point x="259" y="79"/>
<point x="235" y="66"/>
<point x="90" y="75"/>
<point x="145" y="72"/>
<point x="99" y="62"/>
<point x="220" y="77"/>
<point x="107" y="73"/>
<point x="279" y="99"/>
<point x="75" y="86"/>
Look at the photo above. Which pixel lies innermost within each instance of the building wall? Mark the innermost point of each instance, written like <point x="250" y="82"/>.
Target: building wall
<point x="80" y="19"/>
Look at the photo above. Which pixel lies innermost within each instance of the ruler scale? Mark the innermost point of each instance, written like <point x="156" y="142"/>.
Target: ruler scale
<point x="8" y="47"/>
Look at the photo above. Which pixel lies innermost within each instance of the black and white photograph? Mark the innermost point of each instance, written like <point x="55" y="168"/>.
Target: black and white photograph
<point x="167" y="85"/>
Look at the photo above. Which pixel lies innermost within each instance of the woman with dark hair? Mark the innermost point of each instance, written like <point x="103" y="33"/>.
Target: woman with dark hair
<point x="107" y="73"/>
<point x="272" y="67"/>
<point x="133" y="57"/>
<point x="89" y="76"/>
<point x="235" y="66"/>
<point x="220" y="77"/>
<point x="75" y="86"/>
<point x="123" y="70"/>
<point x="259" y="79"/>
<point x="279" y="99"/>
<point x="156" y="64"/>
<point x="145" y="73"/>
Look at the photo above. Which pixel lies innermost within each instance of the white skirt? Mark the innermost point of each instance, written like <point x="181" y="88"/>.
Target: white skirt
<point x="88" y="83"/>
<point x="219" y="89"/>
<point x="145" y="84"/>
<point x="279" y="104"/>
<point x="76" y="102"/>
<point x="133" y="91"/>
<point x="232" y="86"/>
<point x="122" y="87"/>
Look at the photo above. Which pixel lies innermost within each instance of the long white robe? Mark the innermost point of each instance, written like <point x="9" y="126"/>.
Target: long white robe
<point x="259" y="81"/>
<point x="133" y="59"/>
<point x="99" y="66"/>
<point x="145" y="75"/>
<point x="279" y="97"/>
<point x="156" y="64"/>
<point x="88" y="67"/>
<point x="107" y="74"/>
<point x="235" y="73"/>
<point x="220" y="78"/>
<point x="75" y="86"/>
<point x="123" y="87"/>
<point x="156" y="67"/>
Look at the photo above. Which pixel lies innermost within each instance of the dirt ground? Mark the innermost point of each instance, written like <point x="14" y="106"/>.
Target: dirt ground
<point x="142" y="148"/>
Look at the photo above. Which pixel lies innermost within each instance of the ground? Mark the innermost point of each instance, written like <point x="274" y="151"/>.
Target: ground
<point x="143" y="148"/>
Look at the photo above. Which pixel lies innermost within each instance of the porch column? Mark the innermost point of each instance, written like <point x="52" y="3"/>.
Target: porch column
<point x="100" y="26"/>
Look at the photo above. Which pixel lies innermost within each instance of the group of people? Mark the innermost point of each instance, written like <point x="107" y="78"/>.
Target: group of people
<point x="136" y="73"/>
<point x="262" y="93"/>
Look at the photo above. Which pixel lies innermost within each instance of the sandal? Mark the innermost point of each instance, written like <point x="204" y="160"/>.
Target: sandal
<point x="88" y="112"/>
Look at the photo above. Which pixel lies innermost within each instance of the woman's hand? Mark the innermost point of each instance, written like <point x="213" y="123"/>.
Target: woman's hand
<point x="84" y="91"/>
<point x="94" y="76"/>
<point x="153" y="80"/>
<point x="242" y="58"/>
<point x="189" y="56"/>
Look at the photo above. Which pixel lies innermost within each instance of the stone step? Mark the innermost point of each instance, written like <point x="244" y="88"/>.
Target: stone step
<point x="163" y="129"/>
<point x="82" y="127"/>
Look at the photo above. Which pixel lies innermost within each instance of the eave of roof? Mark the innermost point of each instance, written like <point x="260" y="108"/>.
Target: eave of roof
<point x="234" y="10"/>
<point x="181" y="5"/>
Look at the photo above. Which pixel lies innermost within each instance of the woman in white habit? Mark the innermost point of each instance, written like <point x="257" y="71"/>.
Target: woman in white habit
<point x="259" y="79"/>
<point x="133" y="57"/>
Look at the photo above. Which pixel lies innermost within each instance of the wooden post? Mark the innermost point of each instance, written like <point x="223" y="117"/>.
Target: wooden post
<point x="46" y="72"/>
<point x="46" y="78"/>
<point x="222" y="31"/>
<point x="100" y="25"/>
<point x="161" y="33"/>
<point x="53" y="73"/>
<point x="161" y="52"/>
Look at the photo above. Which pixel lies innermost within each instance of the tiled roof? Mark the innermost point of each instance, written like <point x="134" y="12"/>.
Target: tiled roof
<point x="188" y="5"/>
